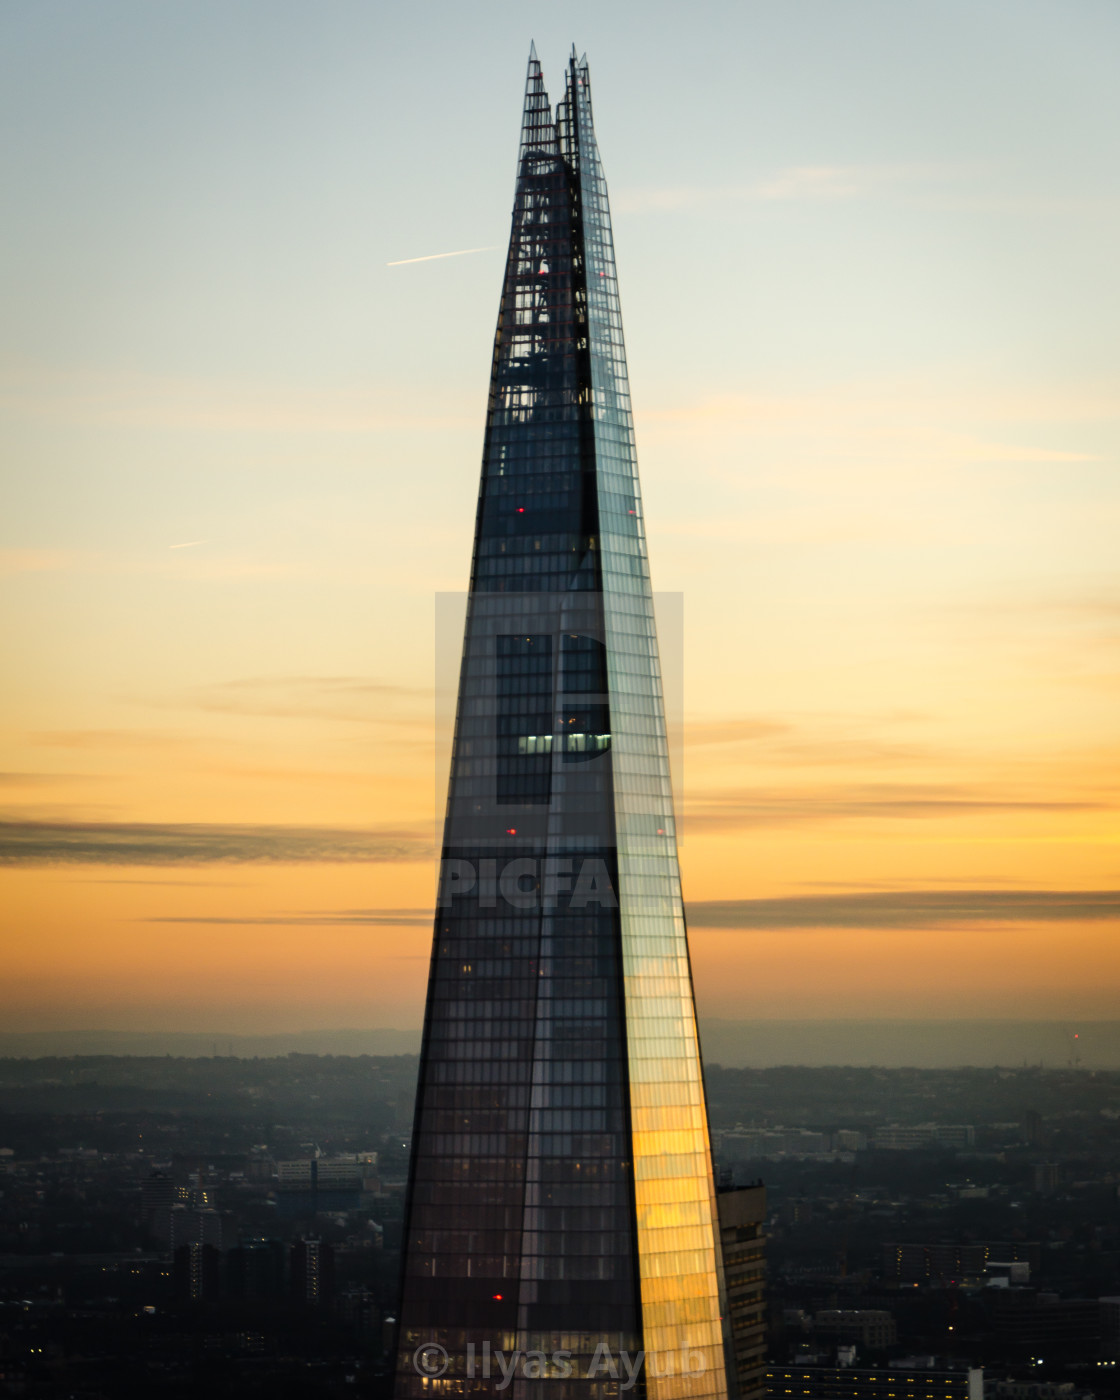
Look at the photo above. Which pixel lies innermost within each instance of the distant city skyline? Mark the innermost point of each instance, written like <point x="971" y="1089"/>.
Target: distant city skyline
<point x="870" y="290"/>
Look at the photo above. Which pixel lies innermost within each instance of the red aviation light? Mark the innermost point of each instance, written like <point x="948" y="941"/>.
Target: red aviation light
<point x="511" y="831"/>
<point x="521" y="510"/>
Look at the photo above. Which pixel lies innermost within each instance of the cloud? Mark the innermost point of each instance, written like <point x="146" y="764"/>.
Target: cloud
<point x="928" y="185"/>
<point x="895" y="909"/>
<point x="816" y="182"/>
<point x="866" y="429"/>
<point x="324" y="918"/>
<point x="108" y="739"/>
<point x="204" y="566"/>
<point x="303" y="697"/>
<point x="851" y="752"/>
<point x="777" y="742"/>
<point x="133" y="399"/>
<point x="702" y="733"/>
<point x="436" y="257"/>
<point x="1095" y="602"/>
<point x="17" y="779"/>
<point x="795" y="184"/>
<point x="35" y="561"/>
<point x="762" y="807"/>
<point x="198" y="843"/>
<point x="973" y="449"/>
<point x="178" y="884"/>
<point x="908" y="909"/>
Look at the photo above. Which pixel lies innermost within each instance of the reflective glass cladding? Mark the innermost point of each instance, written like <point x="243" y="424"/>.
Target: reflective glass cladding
<point x="561" y="1202"/>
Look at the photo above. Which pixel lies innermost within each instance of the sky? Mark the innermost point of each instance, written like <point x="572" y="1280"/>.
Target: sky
<point x="867" y="259"/>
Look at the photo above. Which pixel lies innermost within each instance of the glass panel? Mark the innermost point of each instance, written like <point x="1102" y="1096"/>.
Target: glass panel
<point x="663" y="1045"/>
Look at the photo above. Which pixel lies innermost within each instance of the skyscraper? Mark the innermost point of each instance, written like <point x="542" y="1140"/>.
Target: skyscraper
<point x="561" y="1203"/>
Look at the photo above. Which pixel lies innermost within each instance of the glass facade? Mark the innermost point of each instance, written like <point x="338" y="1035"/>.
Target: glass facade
<point x="561" y="1203"/>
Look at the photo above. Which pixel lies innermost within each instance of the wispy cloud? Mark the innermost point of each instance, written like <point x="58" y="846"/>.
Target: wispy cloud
<point x="198" y="843"/>
<point x="322" y="918"/>
<point x="926" y="185"/>
<point x="794" y="184"/>
<point x="15" y="778"/>
<point x="816" y="182"/>
<point x="973" y="449"/>
<point x="895" y="909"/>
<point x="868" y="429"/>
<point x="908" y="909"/>
<point x="194" y="884"/>
<point x="1095" y="602"/>
<point x="355" y="698"/>
<point x="36" y="561"/>
<point x="148" y="561"/>
<point x="133" y="399"/>
<point x="109" y="739"/>
<point x="823" y="742"/>
<point x="765" y="807"/>
<point x="704" y="733"/>
<point x="436" y="257"/>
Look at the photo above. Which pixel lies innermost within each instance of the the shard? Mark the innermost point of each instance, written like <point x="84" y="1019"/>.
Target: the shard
<point x="561" y="1208"/>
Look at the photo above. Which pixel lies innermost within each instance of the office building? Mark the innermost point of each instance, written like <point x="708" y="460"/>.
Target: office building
<point x="312" y="1272"/>
<point x="255" y="1270"/>
<point x="196" y="1272"/>
<point x="871" y="1328"/>
<point x="947" y="1263"/>
<point x="742" y="1220"/>
<point x="919" y="1378"/>
<point x="310" y="1185"/>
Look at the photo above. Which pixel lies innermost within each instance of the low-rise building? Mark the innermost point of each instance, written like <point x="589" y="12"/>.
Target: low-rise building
<point x="870" y="1328"/>
<point x="899" y="1381"/>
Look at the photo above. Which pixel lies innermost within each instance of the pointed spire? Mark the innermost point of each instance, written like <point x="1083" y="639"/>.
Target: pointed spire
<point x="537" y="131"/>
<point x="582" y="78"/>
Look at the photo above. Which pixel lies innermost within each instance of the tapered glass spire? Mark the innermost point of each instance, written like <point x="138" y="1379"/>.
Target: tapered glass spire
<point x="561" y="1204"/>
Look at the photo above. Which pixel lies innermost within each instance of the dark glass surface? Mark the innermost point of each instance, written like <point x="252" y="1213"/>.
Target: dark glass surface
<point x="560" y="1191"/>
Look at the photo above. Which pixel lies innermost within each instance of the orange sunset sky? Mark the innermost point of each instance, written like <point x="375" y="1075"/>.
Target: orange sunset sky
<point x="867" y="259"/>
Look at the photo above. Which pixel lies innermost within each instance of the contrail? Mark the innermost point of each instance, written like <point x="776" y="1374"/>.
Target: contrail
<point x="400" y="262"/>
<point x="189" y="544"/>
